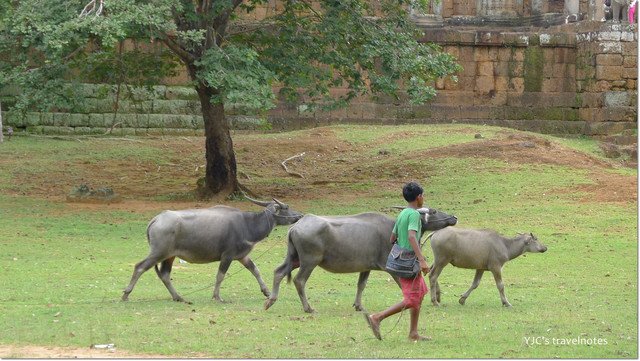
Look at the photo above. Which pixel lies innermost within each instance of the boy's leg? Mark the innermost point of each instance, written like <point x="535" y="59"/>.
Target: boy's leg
<point x="378" y="317"/>
<point x="413" y="330"/>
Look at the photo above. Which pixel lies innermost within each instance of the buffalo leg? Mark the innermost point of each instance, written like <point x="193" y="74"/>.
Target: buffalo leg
<point x="300" y="281"/>
<point x="248" y="264"/>
<point x="474" y="285"/>
<point x="497" y="274"/>
<point x="222" y="271"/>
<point x="140" y="268"/>
<point x="433" y="282"/>
<point x="362" y="282"/>
<point x="283" y="270"/>
<point x="165" y="276"/>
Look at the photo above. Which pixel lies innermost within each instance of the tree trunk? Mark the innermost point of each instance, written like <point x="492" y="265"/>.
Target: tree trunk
<point x="1" y="134"/>
<point x="221" y="172"/>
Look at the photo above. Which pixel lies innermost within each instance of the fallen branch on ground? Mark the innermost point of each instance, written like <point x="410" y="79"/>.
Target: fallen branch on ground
<point x="284" y="165"/>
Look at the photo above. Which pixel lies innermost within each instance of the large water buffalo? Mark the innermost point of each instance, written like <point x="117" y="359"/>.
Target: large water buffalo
<point x="343" y="244"/>
<point x="482" y="250"/>
<point x="219" y="233"/>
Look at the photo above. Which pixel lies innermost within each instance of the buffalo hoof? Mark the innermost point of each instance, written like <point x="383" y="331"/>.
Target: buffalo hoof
<point x="507" y="305"/>
<point x="358" y="307"/>
<point x="435" y="303"/>
<point x="309" y="310"/>
<point x="462" y="300"/>
<point x="125" y="297"/>
<point x="269" y="302"/>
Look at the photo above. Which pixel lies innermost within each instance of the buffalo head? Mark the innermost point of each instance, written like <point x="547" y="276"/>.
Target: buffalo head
<point x="282" y="214"/>
<point x="433" y="219"/>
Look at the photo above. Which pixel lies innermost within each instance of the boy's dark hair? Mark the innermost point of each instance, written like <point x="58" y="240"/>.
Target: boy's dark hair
<point x="411" y="191"/>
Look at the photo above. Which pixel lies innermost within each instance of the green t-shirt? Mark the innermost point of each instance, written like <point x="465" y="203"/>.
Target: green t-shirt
<point x="408" y="219"/>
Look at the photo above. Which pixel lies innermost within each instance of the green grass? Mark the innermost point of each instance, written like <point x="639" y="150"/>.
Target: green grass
<point x="64" y="268"/>
<point x="394" y="139"/>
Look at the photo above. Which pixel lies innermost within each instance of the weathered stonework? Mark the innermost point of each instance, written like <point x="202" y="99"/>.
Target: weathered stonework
<point x="576" y="78"/>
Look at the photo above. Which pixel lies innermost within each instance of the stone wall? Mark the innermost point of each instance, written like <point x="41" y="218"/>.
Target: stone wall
<point x="578" y="78"/>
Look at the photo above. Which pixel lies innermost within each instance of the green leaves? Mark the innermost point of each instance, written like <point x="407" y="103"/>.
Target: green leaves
<point x="320" y="54"/>
<point x="343" y="46"/>
<point x="238" y="75"/>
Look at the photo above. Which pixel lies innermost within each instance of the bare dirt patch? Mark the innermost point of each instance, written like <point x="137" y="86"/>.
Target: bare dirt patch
<point x="330" y="166"/>
<point x="521" y="149"/>
<point x="11" y="351"/>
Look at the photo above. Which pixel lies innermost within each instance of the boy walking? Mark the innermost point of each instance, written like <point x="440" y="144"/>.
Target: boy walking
<point x="406" y="232"/>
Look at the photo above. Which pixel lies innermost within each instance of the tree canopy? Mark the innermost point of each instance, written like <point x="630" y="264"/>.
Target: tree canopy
<point x="233" y="52"/>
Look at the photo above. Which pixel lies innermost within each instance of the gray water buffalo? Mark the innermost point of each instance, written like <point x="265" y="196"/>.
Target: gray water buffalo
<point x="219" y="233"/>
<point x="342" y="244"/>
<point x="482" y="250"/>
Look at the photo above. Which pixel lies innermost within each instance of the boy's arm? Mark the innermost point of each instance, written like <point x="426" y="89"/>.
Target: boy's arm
<point x="413" y="240"/>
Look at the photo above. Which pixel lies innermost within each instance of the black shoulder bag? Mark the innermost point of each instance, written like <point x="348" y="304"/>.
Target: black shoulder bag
<point x="402" y="263"/>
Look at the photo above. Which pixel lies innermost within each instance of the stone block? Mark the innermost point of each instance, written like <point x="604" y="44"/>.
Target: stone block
<point x="78" y="120"/>
<point x="61" y="119"/>
<point x="516" y="69"/>
<point x="484" y="84"/>
<point x="608" y="47"/>
<point x="516" y="85"/>
<point x="604" y="72"/>
<point x="481" y="54"/>
<point x="629" y="73"/>
<point x="501" y="84"/>
<point x="453" y="50"/>
<point x="629" y="48"/>
<point x="473" y="112"/>
<point x="505" y="54"/>
<point x="452" y="97"/>
<point x="590" y="100"/>
<point x="608" y="36"/>
<point x="47" y="119"/>
<point x="515" y="39"/>
<point x="468" y="68"/>
<point x="616" y="99"/>
<point x="501" y="68"/>
<point x="548" y="113"/>
<point x="451" y="84"/>
<point x="552" y="85"/>
<point x="619" y="114"/>
<point x="570" y="115"/>
<point x="630" y="61"/>
<point x="586" y="114"/>
<point x="519" y="113"/>
<point x="181" y="93"/>
<point x="484" y="68"/>
<point x="422" y="111"/>
<point x="466" y="83"/>
<point x="628" y="36"/>
<point x="609" y="59"/>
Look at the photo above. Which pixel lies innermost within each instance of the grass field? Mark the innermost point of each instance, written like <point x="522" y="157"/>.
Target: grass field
<point x="64" y="265"/>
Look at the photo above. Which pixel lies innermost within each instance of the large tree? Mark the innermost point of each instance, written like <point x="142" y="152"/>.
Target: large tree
<point x="303" y="48"/>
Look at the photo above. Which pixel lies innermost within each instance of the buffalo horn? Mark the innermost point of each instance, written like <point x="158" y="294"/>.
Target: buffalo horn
<point x="398" y="207"/>
<point x="280" y="203"/>
<point x="260" y="203"/>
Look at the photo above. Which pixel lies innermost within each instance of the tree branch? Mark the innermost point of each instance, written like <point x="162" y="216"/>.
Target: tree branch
<point x="284" y="165"/>
<point x="183" y="54"/>
<point x="91" y="7"/>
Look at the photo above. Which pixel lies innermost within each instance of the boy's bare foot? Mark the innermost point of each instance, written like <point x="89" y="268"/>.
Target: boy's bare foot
<point x="374" y="325"/>
<point x="417" y="338"/>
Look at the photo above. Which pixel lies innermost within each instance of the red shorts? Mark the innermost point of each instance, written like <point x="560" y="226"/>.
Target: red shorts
<point x="413" y="290"/>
